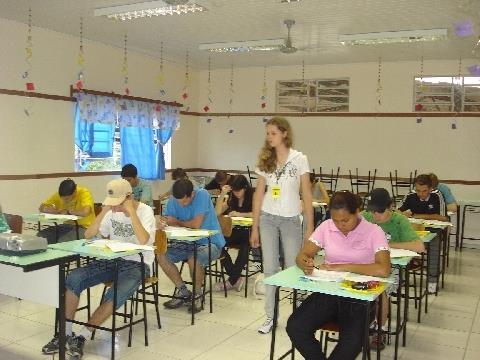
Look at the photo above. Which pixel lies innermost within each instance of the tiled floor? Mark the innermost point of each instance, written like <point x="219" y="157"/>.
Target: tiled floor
<point x="451" y="329"/>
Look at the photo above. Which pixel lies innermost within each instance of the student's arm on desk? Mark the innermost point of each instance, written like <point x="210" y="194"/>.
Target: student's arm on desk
<point x="94" y="228"/>
<point x="256" y="207"/>
<point x="305" y="257"/>
<point x="48" y="209"/>
<point x="414" y="245"/>
<point x="381" y="266"/>
<point x="430" y="217"/>
<point x="194" y="223"/>
<point x="85" y="211"/>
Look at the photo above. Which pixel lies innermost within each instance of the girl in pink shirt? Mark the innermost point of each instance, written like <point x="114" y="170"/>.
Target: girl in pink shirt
<point x="351" y="244"/>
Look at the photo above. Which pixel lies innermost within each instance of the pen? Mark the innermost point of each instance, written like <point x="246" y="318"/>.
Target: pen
<point x="87" y="242"/>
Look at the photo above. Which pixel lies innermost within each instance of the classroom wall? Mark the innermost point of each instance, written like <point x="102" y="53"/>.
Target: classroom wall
<point x="43" y="142"/>
<point x="366" y="143"/>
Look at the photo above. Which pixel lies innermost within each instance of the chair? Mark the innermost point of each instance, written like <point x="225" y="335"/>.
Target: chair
<point x="468" y="209"/>
<point x="399" y="184"/>
<point x="325" y="338"/>
<point x="157" y="204"/>
<point x="250" y="176"/>
<point x="330" y="179"/>
<point x="15" y="222"/>
<point x="362" y="185"/>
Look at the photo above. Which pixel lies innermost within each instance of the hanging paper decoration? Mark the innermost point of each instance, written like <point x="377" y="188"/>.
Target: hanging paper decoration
<point x="476" y="49"/>
<point x="80" y="82"/>
<point x="418" y="106"/>
<point x="304" y="88"/>
<point x="187" y="78"/>
<point x="125" y="66"/>
<point x="206" y="108"/>
<point x="26" y="76"/>
<point x="464" y="28"/>
<point x="379" y="84"/>
<point x="263" y="98"/>
<point x="160" y="76"/>
<point x="230" y="101"/>
<point x="457" y="97"/>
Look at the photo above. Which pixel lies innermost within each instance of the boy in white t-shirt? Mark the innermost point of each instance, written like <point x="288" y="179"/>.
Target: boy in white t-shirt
<point x="125" y="219"/>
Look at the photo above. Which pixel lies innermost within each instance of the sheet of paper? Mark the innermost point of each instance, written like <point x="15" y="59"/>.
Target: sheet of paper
<point x="123" y="246"/>
<point x="184" y="232"/>
<point x="318" y="204"/>
<point x="242" y="219"/>
<point x="437" y="222"/>
<point x="60" y="216"/>
<point x="397" y="253"/>
<point x="365" y="278"/>
<point x="325" y="275"/>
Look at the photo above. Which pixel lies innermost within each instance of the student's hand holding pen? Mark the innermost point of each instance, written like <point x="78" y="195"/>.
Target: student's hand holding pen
<point x="305" y="263"/>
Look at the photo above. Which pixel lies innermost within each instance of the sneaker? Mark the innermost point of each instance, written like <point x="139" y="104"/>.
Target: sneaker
<point x="266" y="327"/>
<point x="75" y="346"/>
<point x="177" y="302"/>
<point x="197" y="305"/>
<point x="218" y="286"/>
<point x="52" y="346"/>
<point x="239" y="284"/>
<point x="381" y="343"/>
<point x="432" y="288"/>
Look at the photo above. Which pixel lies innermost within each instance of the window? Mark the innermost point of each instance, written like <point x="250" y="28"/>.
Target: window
<point x="313" y="95"/>
<point x="447" y="93"/>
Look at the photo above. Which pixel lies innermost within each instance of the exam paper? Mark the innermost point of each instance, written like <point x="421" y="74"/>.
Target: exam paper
<point x="325" y="275"/>
<point x="396" y="253"/>
<point x="60" y="216"/>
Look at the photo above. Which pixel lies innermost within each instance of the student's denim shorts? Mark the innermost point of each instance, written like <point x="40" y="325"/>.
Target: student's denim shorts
<point x="182" y="250"/>
<point x="97" y="272"/>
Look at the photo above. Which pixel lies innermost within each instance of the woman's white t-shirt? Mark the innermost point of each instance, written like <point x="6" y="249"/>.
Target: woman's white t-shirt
<point x="287" y="178"/>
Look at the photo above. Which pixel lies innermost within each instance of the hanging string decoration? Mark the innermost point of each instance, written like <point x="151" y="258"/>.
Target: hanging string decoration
<point x="263" y="97"/>
<point x="419" y="106"/>
<point x="457" y="97"/>
<point x="230" y="101"/>
<point x="304" y="88"/>
<point x="80" y="82"/>
<point x="206" y="108"/>
<point x="160" y="78"/>
<point x="125" y="66"/>
<point x="187" y="79"/>
<point x="26" y="76"/>
<point x="379" y="84"/>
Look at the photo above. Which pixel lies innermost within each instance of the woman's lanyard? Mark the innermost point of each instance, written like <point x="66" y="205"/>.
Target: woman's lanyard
<point x="276" y="188"/>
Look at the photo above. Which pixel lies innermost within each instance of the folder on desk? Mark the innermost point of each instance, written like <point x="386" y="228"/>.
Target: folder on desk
<point x="60" y="216"/>
<point x="174" y="232"/>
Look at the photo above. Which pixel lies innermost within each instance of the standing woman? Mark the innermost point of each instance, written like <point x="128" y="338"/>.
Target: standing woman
<point x="282" y="174"/>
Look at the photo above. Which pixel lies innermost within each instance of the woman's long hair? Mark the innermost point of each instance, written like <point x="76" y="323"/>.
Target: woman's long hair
<point x="268" y="157"/>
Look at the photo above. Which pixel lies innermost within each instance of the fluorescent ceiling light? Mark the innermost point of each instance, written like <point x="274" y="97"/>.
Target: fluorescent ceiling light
<point x="244" y="46"/>
<point x="146" y="9"/>
<point x="392" y="37"/>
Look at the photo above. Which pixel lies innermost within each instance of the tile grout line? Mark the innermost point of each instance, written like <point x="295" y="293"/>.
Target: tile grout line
<point x="471" y="328"/>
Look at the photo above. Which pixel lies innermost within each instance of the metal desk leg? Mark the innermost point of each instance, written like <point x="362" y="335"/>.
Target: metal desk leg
<point x="379" y="327"/>
<point x="115" y="289"/>
<point x="457" y="230"/>
<point x="294" y="301"/>
<point x="406" y="305"/>
<point x="145" y="325"/>
<point x="194" y="287"/>
<point x="61" y="311"/>
<point x="366" y="330"/>
<point x="210" y="273"/>
<point x="77" y="231"/>
<point x="400" y="326"/>
<point x="275" y="321"/>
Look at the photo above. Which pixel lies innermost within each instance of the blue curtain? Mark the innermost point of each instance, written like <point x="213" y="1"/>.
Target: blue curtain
<point x="140" y="149"/>
<point x="94" y="139"/>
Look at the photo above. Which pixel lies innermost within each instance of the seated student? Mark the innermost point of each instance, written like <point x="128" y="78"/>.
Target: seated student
<point x="191" y="208"/>
<point x="142" y="191"/>
<point x="351" y="244"/>
<point x="221" y="178"/>
<point x="238" y="203"/>
<point x="73" y="200"/>
<point x="446" y="193"/>
<point x="319" y="194"/>
<point x="424" y="203"/>
<point x="3" y="223"/>
<point x="122" y="218"/>
<point x="177" y="174"/>
<point x="399" y="232"/>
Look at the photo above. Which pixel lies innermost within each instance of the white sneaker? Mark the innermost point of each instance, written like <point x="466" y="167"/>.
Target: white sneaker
<point x="432" y="287"/>
<point x="266" y="326"/>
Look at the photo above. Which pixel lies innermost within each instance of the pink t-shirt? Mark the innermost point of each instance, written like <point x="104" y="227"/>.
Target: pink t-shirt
<point x="358" y="247"/>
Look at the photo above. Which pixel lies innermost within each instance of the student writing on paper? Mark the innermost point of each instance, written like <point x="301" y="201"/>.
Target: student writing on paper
<point x="351" y="244"/>
<point x="70" y="199"/>
<point x="400" y="235"/>
<point x="428" y="204"/>
<point x="235" y="200"/>
<point x="122" y="218"/>
<point x="192" y="209"/>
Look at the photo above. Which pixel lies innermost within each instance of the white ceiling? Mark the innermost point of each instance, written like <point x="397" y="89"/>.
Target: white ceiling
<point x="318" y="23"/>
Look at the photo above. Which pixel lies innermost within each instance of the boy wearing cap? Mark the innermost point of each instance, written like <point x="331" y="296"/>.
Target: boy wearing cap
<point x="125" y="219"/>
<point x="399" y="233"/>
<point x="142" y="191"/>
<point x="70" y="199"/>
<point x="191" y="208"/>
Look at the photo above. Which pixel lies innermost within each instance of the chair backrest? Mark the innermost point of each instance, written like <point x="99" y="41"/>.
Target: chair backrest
<point x="226" y="225"/>
<point x="156" y="206"/>
<point x="397" y="185"/>
<point x="330" y="179"/>
<point x="250" y="176"/>
<point x="358" y="181"/>
<point x="97" y="208"/>
<point x="15" y="222"/>
<point x="160" y="242"/>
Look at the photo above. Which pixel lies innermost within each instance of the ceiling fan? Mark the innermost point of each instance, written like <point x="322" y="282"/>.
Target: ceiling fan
<point x="288" y="47"/>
